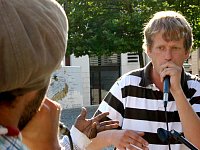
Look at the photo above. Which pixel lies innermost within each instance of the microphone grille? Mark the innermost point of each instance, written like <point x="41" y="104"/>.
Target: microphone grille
<point x="163" y="135"/>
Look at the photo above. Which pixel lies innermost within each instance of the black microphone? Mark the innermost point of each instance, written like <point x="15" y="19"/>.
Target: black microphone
<point x="165" y="136"/>
<point x="63" y="129"/>
<point x="166" y="86"/>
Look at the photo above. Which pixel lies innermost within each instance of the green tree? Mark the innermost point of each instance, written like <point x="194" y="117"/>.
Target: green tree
<point x="104" y="27"/>
<point x="191" y="10"/>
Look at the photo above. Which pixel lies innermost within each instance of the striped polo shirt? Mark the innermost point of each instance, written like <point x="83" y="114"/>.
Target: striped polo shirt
<point x="138" y="105"/>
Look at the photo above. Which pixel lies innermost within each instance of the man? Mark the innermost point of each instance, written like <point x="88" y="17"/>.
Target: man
<point x="32" y="44"/>
<point x="136" y="99"/>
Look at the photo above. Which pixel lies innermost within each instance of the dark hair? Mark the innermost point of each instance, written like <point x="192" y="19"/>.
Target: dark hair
<point x="7" y="97"/>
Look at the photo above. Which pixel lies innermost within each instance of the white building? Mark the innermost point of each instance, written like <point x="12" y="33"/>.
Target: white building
<point x="99" y="74"/>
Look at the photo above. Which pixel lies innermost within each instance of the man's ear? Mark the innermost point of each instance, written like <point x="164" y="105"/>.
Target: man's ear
<point x="148" y="52"/>
<point x="187" y="55"/>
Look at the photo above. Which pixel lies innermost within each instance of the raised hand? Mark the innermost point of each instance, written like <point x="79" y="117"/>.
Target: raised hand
<point x="90" y="127"/>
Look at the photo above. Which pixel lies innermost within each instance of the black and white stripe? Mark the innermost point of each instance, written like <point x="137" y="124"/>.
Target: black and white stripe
<point x="137" y="105"/>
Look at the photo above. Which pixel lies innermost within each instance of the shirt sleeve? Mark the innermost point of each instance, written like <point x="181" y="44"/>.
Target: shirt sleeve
<point x="80" y="140"/>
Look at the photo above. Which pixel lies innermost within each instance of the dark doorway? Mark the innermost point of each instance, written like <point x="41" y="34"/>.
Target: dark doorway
<point x="102" y="77"/>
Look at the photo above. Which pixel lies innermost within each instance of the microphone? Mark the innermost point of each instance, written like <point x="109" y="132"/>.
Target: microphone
<point x="63" y="129"/>
<point x="165" y="136"/>
<point x="166" y="86"/>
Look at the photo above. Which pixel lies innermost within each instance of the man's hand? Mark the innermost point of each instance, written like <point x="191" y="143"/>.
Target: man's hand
<point x="90" y="127"/>
<point x="42" y="131"/>
<point x="174" y="72"/>
<point x="121" y="139"/>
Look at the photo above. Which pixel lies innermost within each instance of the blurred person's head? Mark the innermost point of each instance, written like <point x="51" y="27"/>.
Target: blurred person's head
<point x="33" y="38"/>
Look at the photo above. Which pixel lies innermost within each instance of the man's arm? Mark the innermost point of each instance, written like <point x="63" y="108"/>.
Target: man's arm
<point x="189" y="119"/>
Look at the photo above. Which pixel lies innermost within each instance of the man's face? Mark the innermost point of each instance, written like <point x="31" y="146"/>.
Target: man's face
<point x="163" y="51"/>
<point x="31" y="108"/>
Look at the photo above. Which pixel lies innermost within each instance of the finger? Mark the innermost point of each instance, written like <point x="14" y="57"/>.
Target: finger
<point x="135" y="147"/>
<point x="53" y="105"/>
<point x="140" y="133"/>
<point x="168" y="64"/>
<point x="126" y="144"/>
<point x="93" y="132"/>
<point x="131" y="147"/>
<point x="138" y="139"/>
<point x="108" y="122"/>
<point x="107" y="127"/>
<point x="94" y="125"/>
<point x="121" y="147"/>
<point x="101" y="116"/>
<point x="83" y="113"/>
<point x="134" y="144"/>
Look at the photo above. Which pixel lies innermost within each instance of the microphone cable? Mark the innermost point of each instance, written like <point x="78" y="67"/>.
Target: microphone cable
<point x="65" y="131"/>
<point x="166" y="119"/>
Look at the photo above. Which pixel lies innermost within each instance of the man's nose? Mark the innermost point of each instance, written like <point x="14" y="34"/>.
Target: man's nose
<point x="168" y="54"/>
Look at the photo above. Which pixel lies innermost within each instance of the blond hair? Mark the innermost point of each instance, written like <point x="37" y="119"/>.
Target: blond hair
<point x="174" y="27"/>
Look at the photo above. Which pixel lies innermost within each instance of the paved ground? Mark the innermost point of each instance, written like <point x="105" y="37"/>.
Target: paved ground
<point x="68" y="116"/>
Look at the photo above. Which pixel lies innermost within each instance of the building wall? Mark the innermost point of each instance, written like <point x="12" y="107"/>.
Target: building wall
<point x="195" y="62"/>
<point x="129" y="62"/>
<point x="83" y="62"/>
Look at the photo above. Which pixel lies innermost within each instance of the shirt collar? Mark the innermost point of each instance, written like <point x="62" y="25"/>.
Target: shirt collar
<point x="8" y="130"/>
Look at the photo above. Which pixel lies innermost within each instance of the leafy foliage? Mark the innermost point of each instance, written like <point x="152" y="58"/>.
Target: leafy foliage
<point x="104" y="27"/>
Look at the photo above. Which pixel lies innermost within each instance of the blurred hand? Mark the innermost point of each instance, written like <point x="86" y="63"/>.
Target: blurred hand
<point x="42" y="131"/>
<point x="90" y="127"/>
<point x="126" y="139"/>
<point x="121" y="139"/>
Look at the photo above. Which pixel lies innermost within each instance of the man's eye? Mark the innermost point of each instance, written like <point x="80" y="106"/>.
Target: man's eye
<point x="161" y="48"/>
<point x="175" y="48"/>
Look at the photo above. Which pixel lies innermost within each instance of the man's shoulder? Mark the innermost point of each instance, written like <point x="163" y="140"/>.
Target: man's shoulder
<point x="137" y="72"/>
<point x="191" y="77"/>
<point x="133" y="76"/>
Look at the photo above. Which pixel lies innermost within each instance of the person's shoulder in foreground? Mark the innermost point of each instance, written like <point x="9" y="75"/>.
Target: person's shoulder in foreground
<point x="33" y="37"/>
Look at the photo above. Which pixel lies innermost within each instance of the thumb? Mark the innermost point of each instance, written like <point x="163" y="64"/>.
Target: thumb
<point x="83" y="113"/>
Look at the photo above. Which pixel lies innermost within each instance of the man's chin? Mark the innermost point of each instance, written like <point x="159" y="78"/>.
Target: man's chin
<point x="31" y="108"/>
<point x="24" y="120"/>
